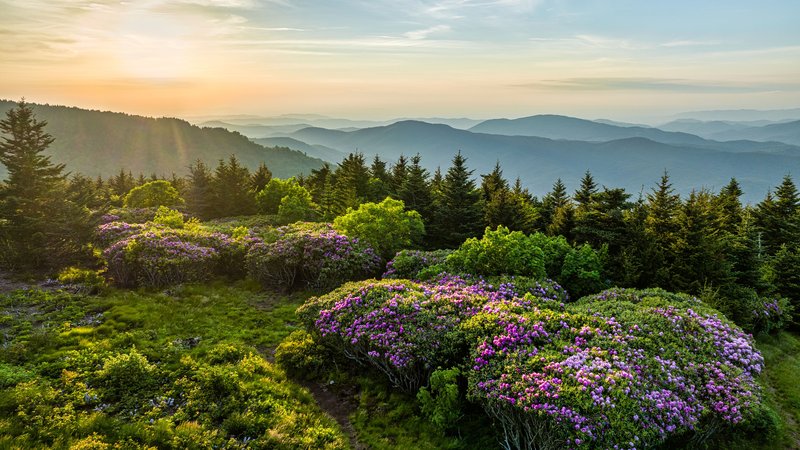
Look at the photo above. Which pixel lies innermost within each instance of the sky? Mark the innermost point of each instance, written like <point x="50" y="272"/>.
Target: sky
<point x="378" y="59"/>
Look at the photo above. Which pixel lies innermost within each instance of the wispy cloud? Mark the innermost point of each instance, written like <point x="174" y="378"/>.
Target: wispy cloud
<point x="656" y="84"/>
<point x="426" y="32"/>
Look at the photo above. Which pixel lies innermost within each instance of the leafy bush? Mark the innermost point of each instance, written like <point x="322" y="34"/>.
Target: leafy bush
<point x="407" y="264"/>
<point x="386" y="226"/>
<point x="499" y="252"/>
<point x="300" y="257"/>
<point x="441" y="402"/>
<point x="581" y="271"/>
<point x="297" y="205"/>
<point x="152" y="195"/>
<point x="126" y="379"/>
<point x="301" y="356"/>
<point x="170" y="218"/>
<point x="84" y="280"/>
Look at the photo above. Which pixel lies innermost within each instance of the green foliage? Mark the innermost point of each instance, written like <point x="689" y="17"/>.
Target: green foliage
<point x="269" y="198"/>
<point x="301" y="356"/>
<point x="296" y="205"/>
<point x="582" y="271"/>
<point x="386" y="226"/>
<point x="417" y="264"/>
<point x="154" y="371"/>
<point x="152" y="195"/>
<point x="499" y="252"/>
<point x="441" y="402"/>
<point x="168" y="217"/>
<point x="457" y="207"/>
<point x="40" y="227"/>
<point x="86" y="280"/>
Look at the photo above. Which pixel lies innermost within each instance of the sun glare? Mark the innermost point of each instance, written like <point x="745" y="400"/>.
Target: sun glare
<point x="153" y="48"/>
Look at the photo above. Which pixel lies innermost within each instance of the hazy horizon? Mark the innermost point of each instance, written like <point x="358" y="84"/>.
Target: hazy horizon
<point x="622" y="60"/>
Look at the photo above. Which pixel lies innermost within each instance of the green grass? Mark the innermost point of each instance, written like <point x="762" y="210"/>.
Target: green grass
<point x="192" y="342"/>
<point x="782" y="382"/>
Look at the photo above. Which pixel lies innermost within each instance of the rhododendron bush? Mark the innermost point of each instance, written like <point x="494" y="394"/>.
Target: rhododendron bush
<point x="317" y="257"/>
<point x="621" y="369"/>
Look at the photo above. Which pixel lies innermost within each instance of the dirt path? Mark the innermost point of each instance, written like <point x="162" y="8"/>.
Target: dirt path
<point x="9" y="285"/>
<point x="339" y="406"/>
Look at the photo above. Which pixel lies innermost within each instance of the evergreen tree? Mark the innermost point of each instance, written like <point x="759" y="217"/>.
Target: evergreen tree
<point x="778" y="217"/>
<point x="555" y="200"/>
<point x="588" y="217"/>
<point x="661" y="228"/>
<point x="122" y="183"/>
<point x="399" y="174"/>
<point x="380" y="182"/>
<point x="351" y="180"/>
<point x="230" y="187"/>
<point x="260" y="178"/>
<point x="416" y="190"/>
<point x="199" y="195"/>
<point x="458" y="210"/>
<point x="40" y="227"/>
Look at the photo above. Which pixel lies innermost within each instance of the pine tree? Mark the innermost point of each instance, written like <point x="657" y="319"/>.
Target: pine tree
<point x="399" y="174"/>
<point x="554" y="200"/>
<point x="199" y="195"/>
<point x="230" y="188"/>
<point x="353" y="175"/>
<point x="588" y="217"/>
<point x="778" y="217"/>
<point x="41" y="228"/>
<point x="416" y="190"/>
<point x="458" y="210"/>
<point x="260" y="178"/>
<point x="661" y="227"/>
<point x="379" y="181"/>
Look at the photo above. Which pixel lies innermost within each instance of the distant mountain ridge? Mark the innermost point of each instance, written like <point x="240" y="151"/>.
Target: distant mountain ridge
<point x="787" y="132"/>
<point x="634" y="163"/>
<point x="101" y="143"/>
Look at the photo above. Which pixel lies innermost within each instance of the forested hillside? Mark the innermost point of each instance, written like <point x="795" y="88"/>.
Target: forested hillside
<point x="101" y="143"/>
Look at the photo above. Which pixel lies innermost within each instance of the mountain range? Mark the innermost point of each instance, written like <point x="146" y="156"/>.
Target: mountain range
<point x="101" y="143"/>
<point x="537" y="149"/>
<point x="632" y="162"/>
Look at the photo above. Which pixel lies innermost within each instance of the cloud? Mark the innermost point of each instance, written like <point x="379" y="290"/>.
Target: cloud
<point x="690" y="43"/>
<point x="425" y="33"/>
<point x="656" y="84"/>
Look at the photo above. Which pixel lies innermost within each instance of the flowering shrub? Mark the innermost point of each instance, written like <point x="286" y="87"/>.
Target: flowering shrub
<point x="317" y="258"/>
<point x="154" y="255"/>
<point x="771" y="314"/>
<point x="406" y="329"/>
<point x="621" y="369"/>
<point x="407" y="264"/>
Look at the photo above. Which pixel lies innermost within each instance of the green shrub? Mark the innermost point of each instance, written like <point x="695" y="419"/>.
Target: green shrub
<point x="152" y="195"/>
<point x="301" y="356"/>
<point x="88" y="281"/>
<point x="128" y="379"/>
<point x="386" y="226"/>
<point x="441" y="402"/>
<point x="168" y="217"/>
<point x="408" y="264"/>
<point x="499" y="252"/>
<point x="581" y="271"/>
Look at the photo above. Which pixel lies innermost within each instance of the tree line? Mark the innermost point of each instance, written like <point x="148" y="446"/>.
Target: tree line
<point x="707" y="243"/>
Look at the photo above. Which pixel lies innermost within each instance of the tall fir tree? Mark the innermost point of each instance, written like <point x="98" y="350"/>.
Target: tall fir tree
<point x="416" y="190"/>
<point x="41" y="228"/>
<point x="458" y="213"/>
<point x="661" y="227"/>
<point x="260" y="178"/>
<point x="231" y="189"/>
<point x="199" y="195"/>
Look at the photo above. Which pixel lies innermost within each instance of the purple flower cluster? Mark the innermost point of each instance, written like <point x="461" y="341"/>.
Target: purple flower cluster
<point x="314" y="258"/>
<point x="406" y="329"/>
<point x="154" y="255"/>
<point x="631" y="376"/>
